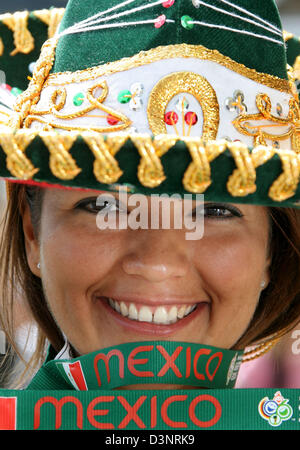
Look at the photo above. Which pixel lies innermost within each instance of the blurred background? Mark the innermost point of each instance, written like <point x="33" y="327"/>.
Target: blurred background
<point x="280" y="367"/>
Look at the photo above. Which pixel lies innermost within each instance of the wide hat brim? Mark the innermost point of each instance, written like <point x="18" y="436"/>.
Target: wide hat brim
<point x="165" y="164"/>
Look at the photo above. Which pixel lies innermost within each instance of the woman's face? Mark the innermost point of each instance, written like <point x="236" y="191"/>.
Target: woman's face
<point x="161" y="285"/>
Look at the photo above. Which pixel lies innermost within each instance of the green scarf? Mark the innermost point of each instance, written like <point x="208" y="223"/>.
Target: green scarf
<point x="85" y="393"/>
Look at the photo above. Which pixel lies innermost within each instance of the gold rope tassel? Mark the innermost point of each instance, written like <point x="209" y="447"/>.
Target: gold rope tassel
<point x="32" y="94"/>
<point x="242" y="181"/>
<point x="14" y="145"/>
<point x="62" y="164"/>
<point x="286" y="185"/>
<point x="106" y="168"/>
<point x="51" y="17"/>
<point x="197" y="177"/>
<point x="17" y="23"/>
<point x="150" y="170"/>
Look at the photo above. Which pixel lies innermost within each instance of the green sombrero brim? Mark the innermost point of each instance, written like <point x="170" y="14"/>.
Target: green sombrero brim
<point x="185" y="168"/>
<point x="228" y="172"/>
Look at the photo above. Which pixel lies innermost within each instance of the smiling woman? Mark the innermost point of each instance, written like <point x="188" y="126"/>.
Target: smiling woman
<point x="155" y="122"/>
<point x="101" y="288"/>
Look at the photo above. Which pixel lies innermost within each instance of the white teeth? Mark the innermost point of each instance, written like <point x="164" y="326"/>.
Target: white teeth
<point x="132" y="313"/>
<point x="172" y="314"/>
<point x="159" y="315"/>
<point x="123" y="309"/>
<point x="181" y="312"/>
<point x="188" y="309"/>
<point x="145" y="314"/>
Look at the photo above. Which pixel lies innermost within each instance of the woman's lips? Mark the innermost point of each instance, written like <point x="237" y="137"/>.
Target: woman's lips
<point x="149" y="319"/>
<point x="158" y="314"/>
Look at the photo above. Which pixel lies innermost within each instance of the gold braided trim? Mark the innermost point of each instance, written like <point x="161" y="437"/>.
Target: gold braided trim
<point x="167" y="52"/>
<point x="18" y="24"/>
<point x="32" y="94"/>
<point x="196" y="179"/>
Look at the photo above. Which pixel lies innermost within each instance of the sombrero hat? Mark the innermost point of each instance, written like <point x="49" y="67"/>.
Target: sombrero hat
<point x="188" y="97"/>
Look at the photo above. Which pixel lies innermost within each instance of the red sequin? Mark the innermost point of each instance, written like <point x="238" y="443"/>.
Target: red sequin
<point x="171" y="118"/>
<point x="6" y="86"/>
<point x="191" y="118"/>
<point x="168" y="3"/>
<point x="111" y="120"/>
<point x="160" y="21"/>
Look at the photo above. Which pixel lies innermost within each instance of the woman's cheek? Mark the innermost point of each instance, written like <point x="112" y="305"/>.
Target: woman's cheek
<point x="76" y="260"/>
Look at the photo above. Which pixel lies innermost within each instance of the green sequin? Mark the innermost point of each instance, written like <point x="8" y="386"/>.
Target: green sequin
<point x="78" y="99"/>
<point x="124" y="96"/>
<point x="186" y="22"/>
<point x="16" y="91"/>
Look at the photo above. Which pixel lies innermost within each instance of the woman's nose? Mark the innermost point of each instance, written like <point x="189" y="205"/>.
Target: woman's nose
<point x="157" y="256"/>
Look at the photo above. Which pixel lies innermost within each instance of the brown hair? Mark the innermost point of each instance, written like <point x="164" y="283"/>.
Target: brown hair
<point x="278" y="309"/>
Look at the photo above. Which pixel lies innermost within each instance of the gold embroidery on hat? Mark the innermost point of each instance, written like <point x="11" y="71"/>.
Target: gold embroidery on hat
<point x="26" y="101"/>
<point x="58" y="100"/>
<point x="243" y="123"/>
<point x="183" y="82"/>
<point x="106" y="168"/>
<point x="62" y="164"/>
<point x="31" y="96"/>
<point x="17" y="23"/>
<point x="30" y="119"/>
<point x="167" y="52"/>
<point x="14" y="147"/>
<point x="51" y="17"/>
<point x="1" y="47"/>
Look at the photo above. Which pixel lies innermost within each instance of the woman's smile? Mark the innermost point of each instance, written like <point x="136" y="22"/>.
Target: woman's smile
<point x="151" y="316"/>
